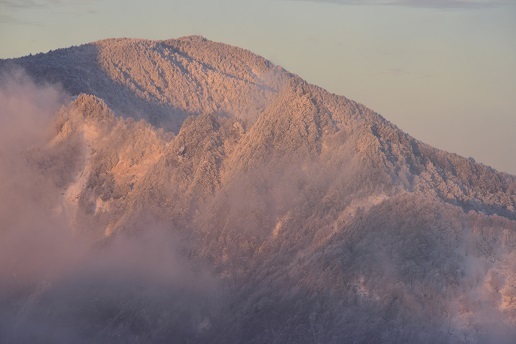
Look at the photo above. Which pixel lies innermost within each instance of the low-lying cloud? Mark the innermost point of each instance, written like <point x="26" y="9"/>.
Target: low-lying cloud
<point x="56" y="285"/>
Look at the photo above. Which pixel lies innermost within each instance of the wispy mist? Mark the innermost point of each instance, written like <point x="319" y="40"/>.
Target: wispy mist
<point x="58" y="287"/>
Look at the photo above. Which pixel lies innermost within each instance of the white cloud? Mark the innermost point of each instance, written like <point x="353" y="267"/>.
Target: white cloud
<point x="27" y="3"/>
<point x="422" y="3"/>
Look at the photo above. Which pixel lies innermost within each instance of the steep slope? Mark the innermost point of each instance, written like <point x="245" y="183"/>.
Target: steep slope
<point x="319" y="220"/>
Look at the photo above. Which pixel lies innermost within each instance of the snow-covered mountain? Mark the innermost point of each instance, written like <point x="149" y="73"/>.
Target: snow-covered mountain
<point x="284" y="213"/>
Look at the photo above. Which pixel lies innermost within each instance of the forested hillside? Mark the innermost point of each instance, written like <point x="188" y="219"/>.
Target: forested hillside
<point x="189" y="191"/>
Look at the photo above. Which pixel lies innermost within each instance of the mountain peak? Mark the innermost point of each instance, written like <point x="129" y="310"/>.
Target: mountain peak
<point x="316" y="218"/>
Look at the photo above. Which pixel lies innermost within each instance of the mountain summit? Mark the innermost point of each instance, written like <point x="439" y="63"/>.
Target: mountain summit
<point x="315" y="218"/>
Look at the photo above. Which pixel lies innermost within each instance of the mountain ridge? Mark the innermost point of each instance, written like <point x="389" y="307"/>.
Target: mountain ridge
<point x="321" y="219"/>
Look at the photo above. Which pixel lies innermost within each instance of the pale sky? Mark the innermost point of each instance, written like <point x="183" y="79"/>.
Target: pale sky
<point x="442" y="70"/>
